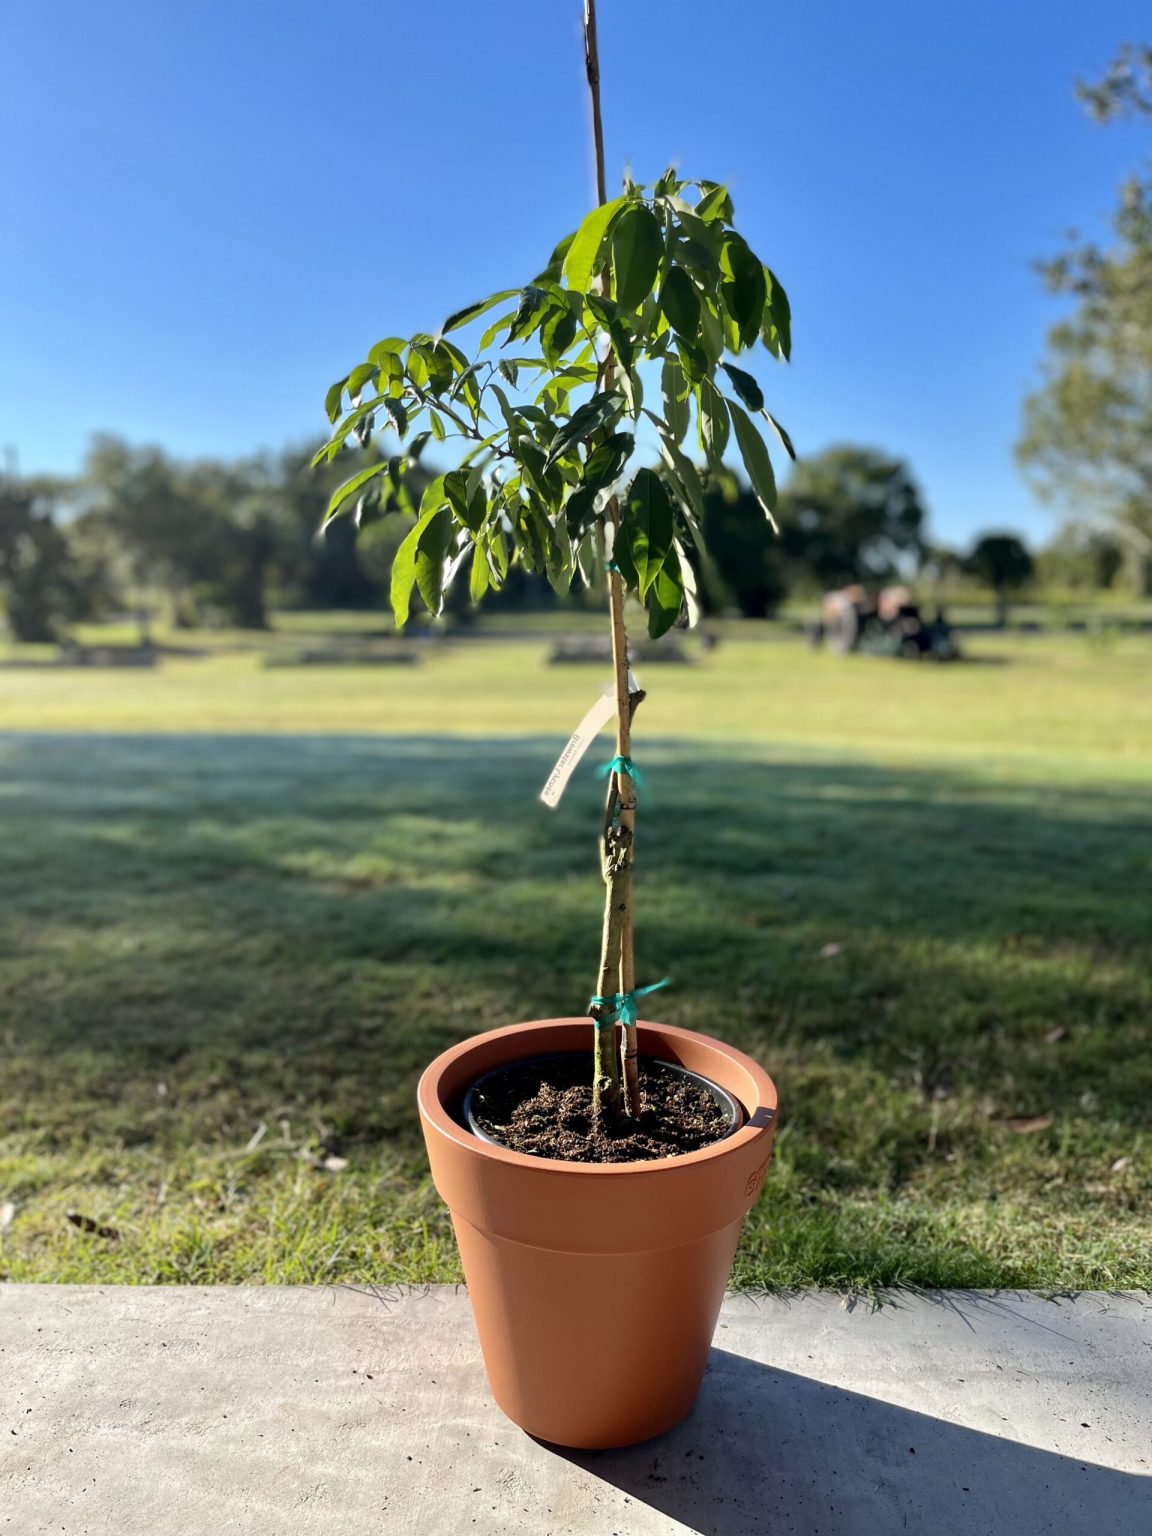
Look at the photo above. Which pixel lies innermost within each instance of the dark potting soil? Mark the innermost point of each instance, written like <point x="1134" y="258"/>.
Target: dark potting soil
<point x="545" y="1108"/>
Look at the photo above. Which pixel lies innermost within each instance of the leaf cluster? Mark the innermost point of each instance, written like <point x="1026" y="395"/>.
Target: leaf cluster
<point x="548" y="404"/>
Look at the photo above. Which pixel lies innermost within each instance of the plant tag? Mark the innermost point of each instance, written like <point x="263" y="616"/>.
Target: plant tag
<point x="578" y="743"/>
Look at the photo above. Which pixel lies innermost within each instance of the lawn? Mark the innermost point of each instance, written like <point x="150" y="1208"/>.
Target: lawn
<point x="241" y="906"/>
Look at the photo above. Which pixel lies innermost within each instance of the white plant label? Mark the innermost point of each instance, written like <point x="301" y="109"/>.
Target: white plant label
<point x="578" y="743"/>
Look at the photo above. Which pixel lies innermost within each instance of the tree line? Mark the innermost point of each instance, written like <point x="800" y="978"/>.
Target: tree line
<point x="224" y="543"/>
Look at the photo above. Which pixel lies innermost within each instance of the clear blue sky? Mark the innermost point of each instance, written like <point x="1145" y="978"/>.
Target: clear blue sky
<point x="212" y="210"/>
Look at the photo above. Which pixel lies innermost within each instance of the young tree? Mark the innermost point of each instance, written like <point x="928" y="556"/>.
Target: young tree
<point x="1001" y="561"/>
<point x="1087" y="438"/>
<point x="546" y="407"/>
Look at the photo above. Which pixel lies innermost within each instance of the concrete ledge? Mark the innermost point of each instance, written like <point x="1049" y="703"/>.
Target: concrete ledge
<point x="135" y="1411"/>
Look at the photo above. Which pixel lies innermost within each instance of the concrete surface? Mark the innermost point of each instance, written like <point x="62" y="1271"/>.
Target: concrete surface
<point x="295" y="1412"/>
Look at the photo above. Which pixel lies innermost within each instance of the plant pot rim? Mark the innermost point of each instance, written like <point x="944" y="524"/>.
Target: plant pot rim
<point x="497" y="1046"/>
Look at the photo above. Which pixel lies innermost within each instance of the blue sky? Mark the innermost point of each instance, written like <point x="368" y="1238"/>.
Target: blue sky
<point x="211" y="211"/>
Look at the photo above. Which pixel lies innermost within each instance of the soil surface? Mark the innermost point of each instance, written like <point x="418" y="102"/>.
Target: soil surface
<point x="545" y="1108"/>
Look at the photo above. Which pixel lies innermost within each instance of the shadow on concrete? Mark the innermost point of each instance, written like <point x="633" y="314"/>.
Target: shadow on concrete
<point x="766" y="1450"/>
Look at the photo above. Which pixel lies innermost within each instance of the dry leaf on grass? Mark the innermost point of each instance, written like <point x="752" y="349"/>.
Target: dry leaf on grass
<point x="86" y="1224"/>
<point x="7" y="1215"/>
<point x="1120" y="1164"/>
<point x="1027" y="1126"/>
<point x="1057" y="1032"/>
<point x="830" y="951"/>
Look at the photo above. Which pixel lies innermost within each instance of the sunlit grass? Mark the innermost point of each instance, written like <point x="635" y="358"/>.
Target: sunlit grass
<point x="203" y="933"/>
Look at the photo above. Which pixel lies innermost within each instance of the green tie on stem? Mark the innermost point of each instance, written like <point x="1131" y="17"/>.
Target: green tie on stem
<point x="623" y="1005"/>
<point x="622" y="765"/>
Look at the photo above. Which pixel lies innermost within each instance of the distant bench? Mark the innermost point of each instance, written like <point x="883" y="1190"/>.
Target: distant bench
<point x="597" y="649"/>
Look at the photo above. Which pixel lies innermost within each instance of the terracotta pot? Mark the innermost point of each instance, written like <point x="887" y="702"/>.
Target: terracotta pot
<point x="595" y="1286"/>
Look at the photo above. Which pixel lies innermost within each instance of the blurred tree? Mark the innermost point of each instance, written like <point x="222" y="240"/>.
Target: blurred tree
<point x="42" y="584"/>
<point x="1080" y="557"/>
<point x="746" y="553"/>
<point x="324" y="572"/>
<point x="165" y="536"/>
<point x="852" y="515"/>
<point x="1000" y="561"/>
<point x="1087" y="437"/>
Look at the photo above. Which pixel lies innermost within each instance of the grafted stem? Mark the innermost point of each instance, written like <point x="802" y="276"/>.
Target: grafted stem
<point x="615" y="1083"/>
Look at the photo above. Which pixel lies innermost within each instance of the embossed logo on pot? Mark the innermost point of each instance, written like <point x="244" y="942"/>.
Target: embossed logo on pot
<point x="755" y="1179"/>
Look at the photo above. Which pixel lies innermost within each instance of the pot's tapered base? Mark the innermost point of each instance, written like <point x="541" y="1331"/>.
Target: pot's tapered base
<point x="595" y="1351"/>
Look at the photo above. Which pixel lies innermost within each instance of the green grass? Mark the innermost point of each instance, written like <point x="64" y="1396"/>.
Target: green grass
<point x="204" y="932"/>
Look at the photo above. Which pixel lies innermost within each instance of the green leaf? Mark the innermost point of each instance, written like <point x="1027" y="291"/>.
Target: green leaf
<point x="579" y="510"/>
<point x="622" y="558"/>
<point x="785" y="440"/>
<point x="756" y="460"/>
<point x="480" y="577"/>
<point x="404" y="563"/>
<point x="390" y="345"/>
<point x="333" y="400"/>
<point x="438" y="430"/>
<point x="583" y="254"/>
<point x="646" y="526"/>
<point x="676" y="395"/>
<point x="712" y="410"/>
<point x="694" y="361"/>
<point x="552" y="272"/>
<point x="664" y="599"/>
<point x="715" y="204"/>
<point x="529" y="315"/>
<point x="680" y="304"/>
<point x="495" y="328"/>
<point x="431" y="551"/>
<point x="473" y="311"/>
<point x="713" y="335"/>
<point x="429" y="366"/>
<point x="456" y="358"/>
<point x="590" y="417"/>
<point x="604" y="311"/>
<point x="637" y="248"/>
<point x="349" y="489"/>
<point x="778" y="315"/>
<point x="398" y="414"/>
<point x="561" y="569"/>
<point x="391" y="369"/>
<point x="607" y="459"/>
<point x="683" y="473"/>
<point x="557" y="334"/>
<point x="508" y="370"/>
<point x="743" y="287"/>
<point x="688" y="578"/>
<point x="363" y="374"/>
<point x="745" y="386"/>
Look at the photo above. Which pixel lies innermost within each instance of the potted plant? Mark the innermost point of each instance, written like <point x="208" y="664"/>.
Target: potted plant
<point x="597" y="1168"/>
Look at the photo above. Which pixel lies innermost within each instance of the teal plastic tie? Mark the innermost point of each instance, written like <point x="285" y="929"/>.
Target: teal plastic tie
<point x="623" y="765"/>
<point x="612" y="566"/>
<point x="623" y="1005"/>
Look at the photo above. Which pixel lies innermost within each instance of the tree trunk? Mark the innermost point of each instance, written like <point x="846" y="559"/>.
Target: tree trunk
<point x="615" y="1084"/>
